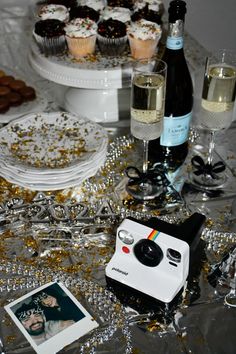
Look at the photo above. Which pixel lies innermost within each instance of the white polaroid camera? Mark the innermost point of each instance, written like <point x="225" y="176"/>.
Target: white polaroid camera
<point x="150" y="261"/>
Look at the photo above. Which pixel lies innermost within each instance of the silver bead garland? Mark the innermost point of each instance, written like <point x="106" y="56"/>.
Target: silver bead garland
<point x="101" y="299"/>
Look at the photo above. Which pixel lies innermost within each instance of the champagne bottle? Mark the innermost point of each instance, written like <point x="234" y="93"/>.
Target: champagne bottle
<point x="171" y="148"/>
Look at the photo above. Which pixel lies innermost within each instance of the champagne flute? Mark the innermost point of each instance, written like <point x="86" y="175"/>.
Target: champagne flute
<point x="147" y="112"/>
<point x="215" y="114"/>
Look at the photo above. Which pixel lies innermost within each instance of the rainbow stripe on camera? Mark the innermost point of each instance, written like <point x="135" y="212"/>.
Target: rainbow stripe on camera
<point x="153" y="235"/>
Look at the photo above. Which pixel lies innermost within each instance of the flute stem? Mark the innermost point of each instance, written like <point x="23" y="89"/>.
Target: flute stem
<point x="145" y="156"/>
<point x="211" y="147"/>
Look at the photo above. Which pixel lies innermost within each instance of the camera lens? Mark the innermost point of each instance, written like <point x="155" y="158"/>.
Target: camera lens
<point x="148" y="252"/>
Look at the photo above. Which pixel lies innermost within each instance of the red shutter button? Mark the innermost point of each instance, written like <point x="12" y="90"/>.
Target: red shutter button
<point x="125" y="249"/>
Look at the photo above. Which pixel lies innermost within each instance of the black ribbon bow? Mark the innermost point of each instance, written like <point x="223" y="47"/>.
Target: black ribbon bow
<point x="154" y="176"/>
<point x="203" y="168"/>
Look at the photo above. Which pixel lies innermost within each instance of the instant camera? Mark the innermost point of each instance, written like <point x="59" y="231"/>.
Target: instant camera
<point x="153" y="258"/>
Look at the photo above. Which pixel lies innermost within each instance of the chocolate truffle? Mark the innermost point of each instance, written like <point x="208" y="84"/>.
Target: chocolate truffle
<point x="4" y="105"/>
<point x="5" y="80"/>
<point x="28" y="93"/>
<point x="16" y="85"/>
<point x="15" y="99"/>
<point x="4" y="90"/>
<point x="2" y="73"/>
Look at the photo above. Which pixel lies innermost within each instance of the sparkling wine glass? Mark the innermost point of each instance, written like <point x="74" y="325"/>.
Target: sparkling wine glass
<point x="215" y="114"/>
<point x="147" y="112"/>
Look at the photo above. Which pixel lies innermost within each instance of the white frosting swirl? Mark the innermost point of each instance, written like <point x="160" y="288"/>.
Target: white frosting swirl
<point x="116" y="13"/>
<point x="144" y="30"/>
<point x="53" y="11"/>
<point x="81" y="27"/>
<point x="97" y="5"/>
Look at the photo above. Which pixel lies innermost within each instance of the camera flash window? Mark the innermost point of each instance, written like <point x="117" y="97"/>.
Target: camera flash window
<point x="126" y="237"/>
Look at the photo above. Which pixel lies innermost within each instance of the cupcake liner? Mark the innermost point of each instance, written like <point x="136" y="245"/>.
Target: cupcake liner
<point x="52" y="45"/>
<point x="112" y="46"/>
<point x="80" y="47"/>
<point x="141" y="49"/>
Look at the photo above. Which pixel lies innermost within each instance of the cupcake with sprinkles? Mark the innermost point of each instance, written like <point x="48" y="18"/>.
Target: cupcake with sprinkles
<point x="148" y="14"/>
<point x="84" y="12"/>
<point x="112" y="37"/>
<point x="152" y="5"/>
<point x="97" y="5"/>
<point x="121" y="3"/>
<point x="116" y="13"/>
<point x="143" y="38"/>
<point x="67" y="3"/>
<point x="54" y="11"/>
<point x="81" y="34"/>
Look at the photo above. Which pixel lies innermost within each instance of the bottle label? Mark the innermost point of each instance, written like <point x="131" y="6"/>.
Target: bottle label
<point x="174" y="43"/>
<point x="175" y="131"/>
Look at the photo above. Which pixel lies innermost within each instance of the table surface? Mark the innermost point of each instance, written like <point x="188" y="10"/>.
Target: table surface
<point x="201" y="323"/>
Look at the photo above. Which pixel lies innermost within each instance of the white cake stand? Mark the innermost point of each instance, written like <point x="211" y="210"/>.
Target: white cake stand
<point x="98" y="88"/>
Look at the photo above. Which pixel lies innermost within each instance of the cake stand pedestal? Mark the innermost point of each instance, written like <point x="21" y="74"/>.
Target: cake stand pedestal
<point x="98" y="89"/>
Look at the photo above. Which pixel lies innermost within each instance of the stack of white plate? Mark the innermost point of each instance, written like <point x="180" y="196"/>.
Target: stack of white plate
<point x="51" y="151"/>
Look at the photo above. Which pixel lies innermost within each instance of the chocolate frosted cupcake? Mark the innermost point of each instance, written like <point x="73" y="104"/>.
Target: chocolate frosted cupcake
<point x="84" y="12"/>
<point x="112" y="38"/>
<point x="50" y="36"/>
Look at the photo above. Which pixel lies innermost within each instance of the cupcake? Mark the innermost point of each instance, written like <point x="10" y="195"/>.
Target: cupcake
<point x="67" y="3"/>
<point x="54" y="11"/>
<point x="153" y="5"/>
<point x="84" y="12"/>
<point x="50" y="36"/>
<point x="143" y="38"/>
<point x="111" y="37"/>
<point x="147" y="14"/>
<point x="97" y="5"/>
<point x="81" y="36"/>
<point x="116" y="13"/>
<point x="121" y="3"/>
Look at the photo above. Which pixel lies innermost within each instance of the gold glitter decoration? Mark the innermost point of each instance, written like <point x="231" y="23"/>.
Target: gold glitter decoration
<point x="31" y="243"/>
<point x="10" y="339"/>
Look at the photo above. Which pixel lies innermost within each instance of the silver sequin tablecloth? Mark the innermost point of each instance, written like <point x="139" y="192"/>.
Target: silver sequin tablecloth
<point x="201" y="323"/>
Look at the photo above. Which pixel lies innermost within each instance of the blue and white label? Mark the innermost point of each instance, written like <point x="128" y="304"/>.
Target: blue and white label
<point x="175" y="131"/>
<point x="174" y="43"/>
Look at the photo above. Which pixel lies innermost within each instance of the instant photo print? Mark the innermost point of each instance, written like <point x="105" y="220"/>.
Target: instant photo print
<point x="50" y="318"/>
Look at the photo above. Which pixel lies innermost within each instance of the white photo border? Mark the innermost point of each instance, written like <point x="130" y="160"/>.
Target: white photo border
<point x="63" y="338"/>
